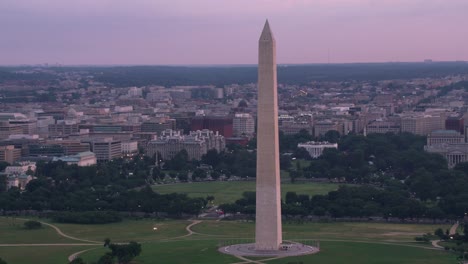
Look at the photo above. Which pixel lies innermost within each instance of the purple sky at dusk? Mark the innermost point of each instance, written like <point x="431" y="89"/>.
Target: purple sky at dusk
<point x="227" y="31"/>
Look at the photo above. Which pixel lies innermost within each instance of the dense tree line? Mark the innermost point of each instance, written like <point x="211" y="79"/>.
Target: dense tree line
<point x="347" y="201"/>
<point x="105" y="187"/>
<point x="392" y="163"/>
<point x="292" y="74"/>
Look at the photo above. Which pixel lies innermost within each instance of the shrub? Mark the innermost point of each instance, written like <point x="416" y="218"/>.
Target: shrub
<point x="32" y="225"/>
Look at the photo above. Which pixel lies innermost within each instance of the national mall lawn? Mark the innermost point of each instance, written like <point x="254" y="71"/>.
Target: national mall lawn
<point x="169" y="241"/>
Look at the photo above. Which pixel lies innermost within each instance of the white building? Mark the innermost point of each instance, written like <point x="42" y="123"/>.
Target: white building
<point x="22" y="167"/>
<point x="315" y="149"/>
<point x="448" y="143"/>
<point x="196" y="144"/>
<point x="19" y="181"/>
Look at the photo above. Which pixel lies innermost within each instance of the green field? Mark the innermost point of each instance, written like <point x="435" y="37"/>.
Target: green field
<point x="230" y="191"/>
<point x="38" y="254"/>
<point x="381" y="232"/>
<point x="13" y="231"/>
<point x="170" y="243"/>
<point x="141" y="230"/>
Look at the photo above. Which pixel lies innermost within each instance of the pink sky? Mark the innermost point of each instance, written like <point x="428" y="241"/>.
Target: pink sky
<point x="226" y="31"/>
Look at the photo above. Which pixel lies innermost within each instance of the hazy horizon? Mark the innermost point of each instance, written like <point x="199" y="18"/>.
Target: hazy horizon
<point x="213" y="32"/>
<point x="219" y="64"/>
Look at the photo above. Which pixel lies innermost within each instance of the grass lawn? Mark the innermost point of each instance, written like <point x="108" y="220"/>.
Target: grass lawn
<point x="345" y="231"/>
<point x="340" y="242"/>
<point x="39" y="255"/>
<point x="363" y="253"/>
<point x="205" y="251"/>
<point x="230" y="191"/>
<point x="127" y="230"/>
<point x="12" y="231"/>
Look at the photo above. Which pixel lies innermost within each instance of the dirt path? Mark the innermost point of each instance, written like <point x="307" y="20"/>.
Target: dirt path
<point x="452" y="231"/>
<point x="75" y="255"/>
<point x="189" y="227"/>
<point x="60" y="233"/>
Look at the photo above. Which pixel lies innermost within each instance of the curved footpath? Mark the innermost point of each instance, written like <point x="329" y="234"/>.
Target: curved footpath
<point x="190" y="232"/>
<point x="452" y="231"/>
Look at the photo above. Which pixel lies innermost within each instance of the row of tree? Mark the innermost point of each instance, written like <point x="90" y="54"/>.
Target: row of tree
<point x="347" y="201"/>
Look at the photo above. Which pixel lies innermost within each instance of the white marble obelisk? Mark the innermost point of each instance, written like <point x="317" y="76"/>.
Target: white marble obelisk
<point x="268" y="205"/>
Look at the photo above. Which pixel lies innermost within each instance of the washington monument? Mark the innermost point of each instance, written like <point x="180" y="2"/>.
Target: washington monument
<point x="268" y="236"/>
<point x="268" y="205"/>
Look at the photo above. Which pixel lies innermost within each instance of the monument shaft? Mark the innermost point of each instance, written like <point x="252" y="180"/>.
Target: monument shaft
<point x="268" y="229"/>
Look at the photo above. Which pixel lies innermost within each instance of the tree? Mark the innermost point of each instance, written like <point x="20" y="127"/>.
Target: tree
<point x="215" y="175"/>
<point x="106" y="259"/>
<point x="183" y="176"/>
<point x="125" y="252"/>
<point x="3" y="183"/>
<point x="440" y="233"/>
<point x="180" y="161"/>
<point x="331" y="136"/>
<point x="2" y="261"/>
<point x="291" y="198"/>
<point x="302" y="153"/>
<point x="199" y="174"/>
<point x="211" y="158"/>
<point x="3" y="165"/>
<point x="106" y="242"/>
<point x="76" y="261"/>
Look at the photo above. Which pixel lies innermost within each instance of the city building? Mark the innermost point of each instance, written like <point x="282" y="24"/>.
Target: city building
<point x="422" y="124"/>
<point x="456" y="123"/>
<point x="157" y="126"/>
<point x="221" y="124"/>
<point x="106" y="149"/>
<point x="383" y="127"/>
<point x="454" y="153"/>
<point x="9" y="154"/>
<point x="322" y="127"/>
<point x="7" y="129"/>
<point x="81" y="159"/>
<point x="46" y="150"/>
<point x="243" y="124"/>
<point x="129" y="147"/>
<point x="71" y="147"/>
<point x="63" y="128"/>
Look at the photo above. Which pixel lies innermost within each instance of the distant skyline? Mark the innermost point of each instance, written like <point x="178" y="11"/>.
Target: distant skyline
<point x="169" y="32"/>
